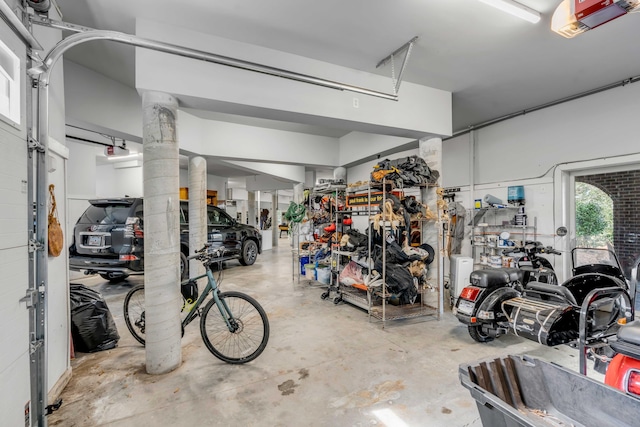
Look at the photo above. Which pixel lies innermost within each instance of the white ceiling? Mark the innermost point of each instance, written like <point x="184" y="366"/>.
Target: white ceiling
<point x="493" y="63"/>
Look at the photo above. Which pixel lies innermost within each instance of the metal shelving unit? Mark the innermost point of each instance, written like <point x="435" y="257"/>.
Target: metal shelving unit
<point x="377" y="302"/>
<point x="479" y="239"/>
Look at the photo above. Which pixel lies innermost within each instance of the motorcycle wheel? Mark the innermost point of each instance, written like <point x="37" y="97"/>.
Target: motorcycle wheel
<point x="476" y="333"/>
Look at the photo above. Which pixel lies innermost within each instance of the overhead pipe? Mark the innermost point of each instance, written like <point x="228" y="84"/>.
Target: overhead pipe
<point x="543" y="106"/>
<point x="79" y="38"/>
<point x="17" y="26"/>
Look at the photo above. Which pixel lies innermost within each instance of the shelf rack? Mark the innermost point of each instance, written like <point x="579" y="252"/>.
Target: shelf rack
<point x="494" y="229"/>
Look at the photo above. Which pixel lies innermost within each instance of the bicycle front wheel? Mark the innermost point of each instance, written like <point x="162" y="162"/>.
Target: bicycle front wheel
<point x="134" y="315"/>
<point x="248" y="319"/>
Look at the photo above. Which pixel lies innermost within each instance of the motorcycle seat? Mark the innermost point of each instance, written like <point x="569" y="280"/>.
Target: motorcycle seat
<point x="515" y="274"/>
<point x="489" y="278"/>
<point x="628" y="340"/>
<point x="556" y="292"/>
<point x="630" y="332"/>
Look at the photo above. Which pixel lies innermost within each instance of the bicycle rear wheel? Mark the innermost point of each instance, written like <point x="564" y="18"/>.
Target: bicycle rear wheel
<point x="134" y="315"/>
<point x="247" y="341"/>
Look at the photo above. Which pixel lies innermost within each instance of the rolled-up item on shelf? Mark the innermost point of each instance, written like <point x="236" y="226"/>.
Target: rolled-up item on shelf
<point x="492" y="200"/>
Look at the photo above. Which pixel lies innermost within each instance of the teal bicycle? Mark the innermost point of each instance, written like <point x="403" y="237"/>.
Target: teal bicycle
<point x="234" y="327"/>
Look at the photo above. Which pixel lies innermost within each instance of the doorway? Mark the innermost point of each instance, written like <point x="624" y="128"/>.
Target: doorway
<point x="607" y="213"/>
<point x="581" y="183"/>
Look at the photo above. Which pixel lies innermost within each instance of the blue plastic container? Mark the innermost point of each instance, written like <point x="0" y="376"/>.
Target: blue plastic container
<point x="304" y="260"/>
<point x="515" y="195"/>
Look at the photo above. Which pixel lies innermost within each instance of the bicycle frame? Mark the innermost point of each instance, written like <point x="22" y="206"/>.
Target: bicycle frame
<point x="212" y="286"/>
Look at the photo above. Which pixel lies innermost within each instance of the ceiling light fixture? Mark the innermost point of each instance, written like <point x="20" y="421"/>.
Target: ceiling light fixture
<point x="515" y="9"/>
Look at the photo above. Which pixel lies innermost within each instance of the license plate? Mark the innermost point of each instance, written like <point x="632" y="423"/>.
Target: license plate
<point x="94" y="240"/>
<point x="465" y="307"/>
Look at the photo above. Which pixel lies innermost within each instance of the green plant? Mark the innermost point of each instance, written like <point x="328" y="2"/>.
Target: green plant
<point x="594" y="215"/>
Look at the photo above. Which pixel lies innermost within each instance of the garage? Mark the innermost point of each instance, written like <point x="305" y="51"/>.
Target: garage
<point x="425" y="213"/>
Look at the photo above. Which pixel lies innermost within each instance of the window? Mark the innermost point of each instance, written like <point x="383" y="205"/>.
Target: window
<point x="9" y="84"/>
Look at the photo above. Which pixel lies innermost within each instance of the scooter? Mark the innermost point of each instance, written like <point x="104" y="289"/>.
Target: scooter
<point x="623" y="371"/>
<point x="583" y="311"/>
<point x="477" y="304"/>
<point x="534" y="267"/>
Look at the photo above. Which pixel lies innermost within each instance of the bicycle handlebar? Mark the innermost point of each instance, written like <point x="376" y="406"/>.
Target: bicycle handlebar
<point x="536" y="250"/>
<point x="205" y="254"/>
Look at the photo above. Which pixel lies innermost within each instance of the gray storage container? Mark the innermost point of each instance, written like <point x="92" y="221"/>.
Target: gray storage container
<point x="524" y="391"/>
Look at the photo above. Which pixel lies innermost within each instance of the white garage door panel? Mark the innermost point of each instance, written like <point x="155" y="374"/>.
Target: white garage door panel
<point x="13" y="226"/>
<point x="14" y="317"/>
<point x="12" y="404"/>
<point x="14" y="360"/>
<point x="13" y="190"/>
<point x="14" y="339"/>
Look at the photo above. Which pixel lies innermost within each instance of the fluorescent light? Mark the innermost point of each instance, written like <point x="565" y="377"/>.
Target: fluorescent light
<point x="515" y="9"/>
<point x="128" y="156"/>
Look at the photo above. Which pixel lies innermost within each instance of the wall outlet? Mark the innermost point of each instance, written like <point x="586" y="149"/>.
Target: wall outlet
<point x="356" y="103"/>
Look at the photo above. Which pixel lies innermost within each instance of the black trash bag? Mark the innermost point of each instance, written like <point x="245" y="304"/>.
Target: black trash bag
<point x="92" y="326"/>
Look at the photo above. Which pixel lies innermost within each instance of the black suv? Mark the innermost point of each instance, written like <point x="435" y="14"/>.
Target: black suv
<point x="108" y="239"/>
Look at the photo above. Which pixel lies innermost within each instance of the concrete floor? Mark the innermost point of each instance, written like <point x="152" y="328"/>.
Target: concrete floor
<point x="324" y="365"/>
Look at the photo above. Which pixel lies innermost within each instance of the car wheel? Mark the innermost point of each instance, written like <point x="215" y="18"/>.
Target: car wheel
<point x="184" y="267"/>
<point x="114" y="277"/>
<point x="249" y="253"/>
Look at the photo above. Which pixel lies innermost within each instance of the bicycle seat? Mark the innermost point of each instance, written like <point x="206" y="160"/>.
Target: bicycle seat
<point x="555" y="292"/>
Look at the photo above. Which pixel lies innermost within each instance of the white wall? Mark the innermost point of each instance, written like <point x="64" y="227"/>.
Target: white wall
<point x="527" y="149"/>
<point x="91" y="101"/>
<point x="214" y="183"/>
<point x="420" y="110"/>
<point x="356" y="146"/>
<point x="58" y="319"/>
<point x="243" y="142"/>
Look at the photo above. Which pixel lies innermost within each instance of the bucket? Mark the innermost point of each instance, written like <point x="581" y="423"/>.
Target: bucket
<point x="310" y="271"/>
<point x="495" y="261"/>
<point x="324" y="275"/>
<point x="304" y="260"/>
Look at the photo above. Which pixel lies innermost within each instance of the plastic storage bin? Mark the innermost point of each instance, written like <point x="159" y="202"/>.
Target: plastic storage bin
<point x="324" y="274"/>
<point x="524" y="391"/>
<point x="304" y="260"/>
<point x="310" y="271"/>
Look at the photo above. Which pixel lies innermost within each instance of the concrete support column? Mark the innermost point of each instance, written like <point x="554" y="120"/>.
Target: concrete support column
<point x="431" y="151"/>
<point x="161" y="232"/>
<point x="298" y="197"/>
<point x="274" y="219"/>
<point x="251" y="208"/>
<point x="197" y="211"/>
<point x="298" y="193"/>
<point x="242" y="207"/>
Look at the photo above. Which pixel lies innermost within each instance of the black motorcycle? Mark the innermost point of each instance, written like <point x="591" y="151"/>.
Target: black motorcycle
<point x="583" y="310"/>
